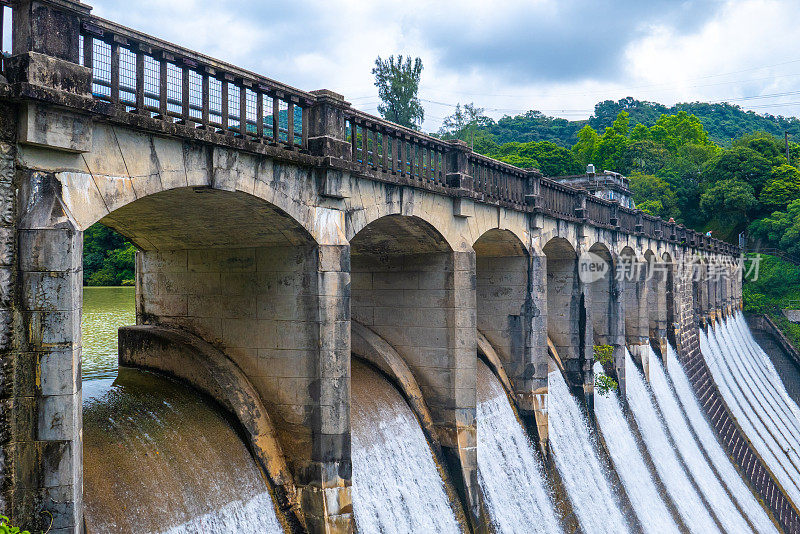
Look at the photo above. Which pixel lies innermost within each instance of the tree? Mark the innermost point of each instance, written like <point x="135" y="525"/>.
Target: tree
<point x="654" y="195"/>
<point x="782" y="228"/>
<point x="465" y="123"/>
<point x="729" y="201"/>
<point x="740" y="163"/>
<point x="108" y="258"/>
<point x="586" y="146"/>
<point x="548" y="157"/>
<point x="398" y="84"/>
<point x="783" y="188"/>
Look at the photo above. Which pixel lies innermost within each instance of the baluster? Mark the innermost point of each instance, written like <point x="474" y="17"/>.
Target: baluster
<point x="88" y="54"/>
<point x="114" y="71"/>
<point x="353" y="140"/>
<point x="290" y="123"/>
<point x="206" y="100"/>
<point x="276" y="125"/>
<point x="185" y="94"/>
<point x="364" y="146"/>
<point x="162" y="86"/>
<point x="402" y="153"/>
<point x="375" y="154"/>
<point x="304" y="135"/>
<point x="260" y="115"/>
<point x="140" y="83"/>
<point x="224" y="107"/>
<point x="385" y="148"/>
<point x="243" y="109"/>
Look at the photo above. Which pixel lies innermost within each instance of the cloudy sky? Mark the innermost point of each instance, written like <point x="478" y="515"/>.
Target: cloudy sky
<point x="557" y="56"/>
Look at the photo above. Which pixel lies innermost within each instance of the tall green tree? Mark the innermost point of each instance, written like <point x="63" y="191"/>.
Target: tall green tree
<point x="397" y="80"/>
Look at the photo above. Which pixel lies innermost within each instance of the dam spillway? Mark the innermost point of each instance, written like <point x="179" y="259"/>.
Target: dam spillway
<point x="150" y="440"/>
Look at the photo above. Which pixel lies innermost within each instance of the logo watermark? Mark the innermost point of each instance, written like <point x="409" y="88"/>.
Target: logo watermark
<point x="593" y="267"/>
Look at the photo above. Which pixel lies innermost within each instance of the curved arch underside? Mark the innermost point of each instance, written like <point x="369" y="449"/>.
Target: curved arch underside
<point x="201" y="217"/>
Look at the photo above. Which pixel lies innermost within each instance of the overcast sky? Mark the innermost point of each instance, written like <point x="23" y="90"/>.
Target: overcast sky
<point x="557" y="56"/>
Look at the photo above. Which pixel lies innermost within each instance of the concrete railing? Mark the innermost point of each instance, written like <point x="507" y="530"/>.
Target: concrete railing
<point x="134" y="74"/>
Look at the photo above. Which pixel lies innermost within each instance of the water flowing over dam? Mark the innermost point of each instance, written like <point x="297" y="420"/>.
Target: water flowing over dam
<point x="756" y="396"/>
<point x="396" y="482"/>
<point x="575" y="452"/>
<point x="159" y="457"/>
<point x="646" y="498"/>
<point x="511" y="474"/>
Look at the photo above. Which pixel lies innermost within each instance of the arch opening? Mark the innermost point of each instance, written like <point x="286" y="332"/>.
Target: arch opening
<point x="503" y="299"/>
<point x="241" y="275"/>
<point x="410" y="288"/>
<point x="566" y="315"/>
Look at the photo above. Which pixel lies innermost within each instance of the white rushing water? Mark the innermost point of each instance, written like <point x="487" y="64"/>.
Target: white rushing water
<point x="396" y="485"/>
<point x="509" y="471"/>
<point x="708" y="440"/>
<point x="629" y="464"/>
<point x="575" y="454"/>
<point x="670" y="471"/>
<point x="744" y="396"/>
<point x="257" y="513"/>
<point x="704" y="476"/>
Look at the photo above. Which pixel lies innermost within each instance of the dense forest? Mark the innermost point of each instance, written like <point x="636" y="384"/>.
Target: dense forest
<point x="710" y="166"/>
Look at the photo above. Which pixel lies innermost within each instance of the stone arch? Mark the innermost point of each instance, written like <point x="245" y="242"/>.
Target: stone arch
<point x="413" y="290"/>
<point x="503" y="298"/>
<point x="379" y="201"/>
<point x="125" y="166"/>
<point x="231" y="268"/>
<point x="566" y="314"/>
<point x="607" y="318"/>
<point x="632" y="273"/>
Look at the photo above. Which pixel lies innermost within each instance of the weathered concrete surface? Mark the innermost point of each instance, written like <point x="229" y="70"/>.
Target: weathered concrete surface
<point x="247" y="246"/>
<point x="189" y="358"/>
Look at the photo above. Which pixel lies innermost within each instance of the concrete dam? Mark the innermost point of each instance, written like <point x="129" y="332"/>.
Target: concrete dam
<point x="339" y="324"/>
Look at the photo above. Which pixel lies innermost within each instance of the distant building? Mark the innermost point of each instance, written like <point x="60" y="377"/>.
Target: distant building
<point x="607" y="184"/>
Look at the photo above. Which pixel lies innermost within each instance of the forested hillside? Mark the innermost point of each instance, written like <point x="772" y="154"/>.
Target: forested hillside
<point x="723" y="122"/>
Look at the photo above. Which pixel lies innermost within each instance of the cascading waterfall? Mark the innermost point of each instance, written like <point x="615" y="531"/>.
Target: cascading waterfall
<point x="578" y="464"/>
<point x="509" y="471"/>
<point x="670" y="471"/>
<point x="157" y="456"/>
<point x="724" y="353"/>
<point x="708" y="441"/>
<point x="397" y="487"/>
<point x="689" y="450"/>
<point x="629" y="464"/>
<point x="160" y="458"/>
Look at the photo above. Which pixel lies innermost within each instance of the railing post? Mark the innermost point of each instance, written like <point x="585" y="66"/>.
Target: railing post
<point x="46" y="41"/>
<point x="458" y="178"/>
<point x="614" y="219"/>
<point x="639" y="229"/>
<point x="326" y="126"/>
<point x="580" y="205"/>
<point x="327" y="137"/>
<point x="533" y="193"/>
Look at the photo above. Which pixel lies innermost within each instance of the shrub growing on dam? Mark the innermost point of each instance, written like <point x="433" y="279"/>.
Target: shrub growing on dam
<point x="603" y="383"/>
<point x="7" y="528"/>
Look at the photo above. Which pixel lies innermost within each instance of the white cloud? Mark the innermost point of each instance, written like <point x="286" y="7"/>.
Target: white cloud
<point x="559" y="56"/>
